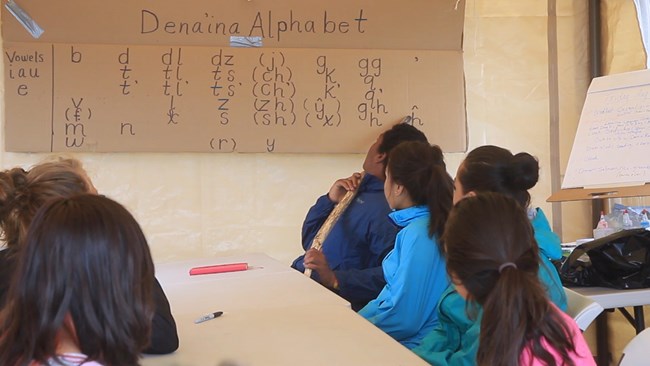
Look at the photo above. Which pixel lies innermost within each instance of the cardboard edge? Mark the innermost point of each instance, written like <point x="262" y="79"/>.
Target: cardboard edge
<point x="580" y="194"/>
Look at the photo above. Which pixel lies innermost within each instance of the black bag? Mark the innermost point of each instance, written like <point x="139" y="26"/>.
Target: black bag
<point x="620" y="260"/>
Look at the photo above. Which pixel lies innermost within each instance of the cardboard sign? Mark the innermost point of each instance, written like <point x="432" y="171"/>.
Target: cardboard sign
<point x="243" y="76"/>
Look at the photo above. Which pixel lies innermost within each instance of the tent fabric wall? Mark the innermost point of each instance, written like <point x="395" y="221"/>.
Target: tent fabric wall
<point x="643" y="16"/>
<point x="621" y="37"/>
<point x="201" y="205"/>
<point x="217" y="204"/>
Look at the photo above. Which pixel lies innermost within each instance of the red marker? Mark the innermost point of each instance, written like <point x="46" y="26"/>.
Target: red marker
<point x="219" y="268"/>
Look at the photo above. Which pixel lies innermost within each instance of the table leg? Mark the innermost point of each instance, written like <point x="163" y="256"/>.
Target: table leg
<point x="639" y="320"/>
<point x="602" y="340"/>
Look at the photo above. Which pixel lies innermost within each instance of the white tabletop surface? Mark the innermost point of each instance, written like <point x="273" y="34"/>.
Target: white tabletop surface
<point x="272" y="315"/>
<point x="293" y="335"/>
<point x="224" y="293"/>
<point x="267" y="282"/>
<point x="610" y="298"/>
<point x="179" y="272"/>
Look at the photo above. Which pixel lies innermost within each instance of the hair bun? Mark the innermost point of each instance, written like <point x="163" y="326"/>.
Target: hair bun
<point x="11" y="181"/>
<point x="522" y="172"/>
<point x="19" y="177"/>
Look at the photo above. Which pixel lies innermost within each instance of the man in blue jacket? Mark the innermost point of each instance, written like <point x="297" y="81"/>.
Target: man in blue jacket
<point x="350" y="261"/>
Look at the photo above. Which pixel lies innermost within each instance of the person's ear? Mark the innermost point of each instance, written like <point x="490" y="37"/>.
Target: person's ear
<point x="470" y="194"/>
<point x="380" y="158"/>
<point x="399" y="189"/>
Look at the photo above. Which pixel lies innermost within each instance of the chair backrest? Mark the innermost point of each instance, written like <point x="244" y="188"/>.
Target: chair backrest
<point x="636" y="352"/>
<point x="581" y="308"/>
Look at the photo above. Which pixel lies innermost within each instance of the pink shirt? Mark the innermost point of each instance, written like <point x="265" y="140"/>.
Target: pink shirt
<point x="581" y="357"/>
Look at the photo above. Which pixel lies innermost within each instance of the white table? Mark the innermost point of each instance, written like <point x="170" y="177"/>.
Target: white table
<point x="178" y="272"/>
<point x="267" y="283"/>
<point x="610" y="298"/>
<point x="272" y="316"/>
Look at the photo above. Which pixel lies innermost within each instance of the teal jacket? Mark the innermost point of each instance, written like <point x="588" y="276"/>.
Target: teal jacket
<point x="415" y="275"/>
<point x="550" y="249"/>
<point x="455" y="340"/>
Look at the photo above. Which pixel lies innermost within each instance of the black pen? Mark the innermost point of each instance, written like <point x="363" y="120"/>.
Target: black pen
<point x="207" y="317"/>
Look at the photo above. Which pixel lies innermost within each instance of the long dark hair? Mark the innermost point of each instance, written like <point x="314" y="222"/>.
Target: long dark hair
<point x="491" y="168"/>
<point x="420" y="168"/>
<point x="490" y="247"/>
<point x="84" y="257"/>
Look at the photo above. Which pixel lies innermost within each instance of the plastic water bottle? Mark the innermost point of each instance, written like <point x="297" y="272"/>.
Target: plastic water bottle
<point x="603" y="229"/>
<point x="627" y="222"/>
<point x="645" y="221"/>
<point x="602" y="223"/>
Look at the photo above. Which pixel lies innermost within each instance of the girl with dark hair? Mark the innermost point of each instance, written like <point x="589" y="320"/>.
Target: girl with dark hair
<point x="419" y="191"/>
<point x="82" y="291"/>
<point x="491" y="169"/>
<point x="494" y="169"/>
<point x="23" y="193"/>
<point x="495" y="264"/>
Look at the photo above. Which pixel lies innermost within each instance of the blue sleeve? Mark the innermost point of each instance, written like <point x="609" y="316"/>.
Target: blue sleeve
<point x="362" y="285"/>
<point x="550" y="248"/>
<point x="463" y="355"/>
<point x="455" y="340"/>
<point x="549" y="243"/>
<point x="400" y="308"/>
<point x="550" y="279"/>
<point x="315" y="218"/>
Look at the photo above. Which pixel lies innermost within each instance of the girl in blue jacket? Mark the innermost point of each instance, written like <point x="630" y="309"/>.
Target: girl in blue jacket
<point x="419" y="191"/>
<point x="454" y="341"/>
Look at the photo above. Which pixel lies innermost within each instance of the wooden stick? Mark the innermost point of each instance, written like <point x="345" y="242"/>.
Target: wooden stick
<point x="331" y="220"/>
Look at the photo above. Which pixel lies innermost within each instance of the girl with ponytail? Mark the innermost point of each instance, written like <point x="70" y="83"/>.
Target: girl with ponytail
<point x="489" y="168"/>
<point x="495" y="264"/>
<point x="419" y="191"/>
